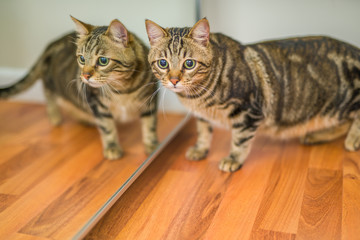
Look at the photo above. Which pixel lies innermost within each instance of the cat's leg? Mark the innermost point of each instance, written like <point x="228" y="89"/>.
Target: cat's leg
<point x="326" y="135"/>
<point x="109" y="138"/>
<point x="107" y="128"/>
<point x="201" y="148"/>
<point x="242" y="134"/>
<point x="240" y="148"/>
<point x="52" y="107"/>
<point x="149" y="135"/>
<point x="352" y="141"/>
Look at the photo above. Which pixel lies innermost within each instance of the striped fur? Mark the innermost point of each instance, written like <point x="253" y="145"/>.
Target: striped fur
<point x="305" y="87"/>
<point x="100" y="95"/>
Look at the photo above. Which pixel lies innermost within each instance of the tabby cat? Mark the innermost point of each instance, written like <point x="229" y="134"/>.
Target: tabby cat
<point x="307" y="87"/>
<point x="104" y="77"/>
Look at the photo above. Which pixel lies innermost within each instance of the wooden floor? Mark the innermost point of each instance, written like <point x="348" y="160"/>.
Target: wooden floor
<point x="54" y="179"/>
<point x="284" y="191"/>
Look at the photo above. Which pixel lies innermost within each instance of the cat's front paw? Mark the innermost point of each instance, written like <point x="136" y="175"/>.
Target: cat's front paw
<point x="229" y="164"/>
<point x="113" y="152"/>
<point x="195" y="153"/>
<point x="55" y="119"/>
<point x="352" y="142"/>
<point x="150" y="148"/>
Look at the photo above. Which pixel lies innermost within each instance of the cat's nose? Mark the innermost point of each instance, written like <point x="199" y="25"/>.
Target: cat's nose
<point x="87" y="76"/>
<point x="174" y="80"/>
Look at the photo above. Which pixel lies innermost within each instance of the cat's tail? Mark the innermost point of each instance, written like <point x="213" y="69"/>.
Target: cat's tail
<point x="26" y="82"/>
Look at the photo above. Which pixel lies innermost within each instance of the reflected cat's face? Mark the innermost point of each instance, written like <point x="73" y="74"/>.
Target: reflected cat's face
<point x="180" y="57"/>
<point x="104" y="55"/>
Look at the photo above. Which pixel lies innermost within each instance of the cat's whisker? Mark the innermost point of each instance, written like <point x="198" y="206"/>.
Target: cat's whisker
<point x="71" y="83"/>
<point x="107" y="88"/>
<point x="150" y="98"/>
<point x="115" y="82"/>
<point x="212" y="92"/>
<point x="82" y="94"/>
<point x="163" y="104"/>
<point x="102" y="91"/>
<point x="188" y="92"/>
<point x="112" y="90"/>
<point x="149" y="84"/>
<point x="202" y="87"/>
<point x="193" y="91"/>
<point x="79" y="88"/>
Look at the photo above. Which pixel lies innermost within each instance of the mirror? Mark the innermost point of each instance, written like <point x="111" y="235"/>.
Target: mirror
<point x="55" y="182"/>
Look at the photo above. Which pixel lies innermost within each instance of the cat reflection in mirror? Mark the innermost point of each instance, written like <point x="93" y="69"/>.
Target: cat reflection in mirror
<point x="306" y="87"/>
<point x="103" y="78"/>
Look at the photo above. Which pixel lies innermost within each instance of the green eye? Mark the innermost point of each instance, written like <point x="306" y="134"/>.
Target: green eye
<point x="162" y="63"/>
<point x="103" y="61"/>
<point x="81" y="59"/>
<point x="189" y="64"/>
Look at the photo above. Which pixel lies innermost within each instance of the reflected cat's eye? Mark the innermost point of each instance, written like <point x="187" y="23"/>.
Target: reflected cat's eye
<point x="162" y="63"/>
<point x="103" y="61"/>
<point x="81" y="59"/>
<point x="189" y="64"/>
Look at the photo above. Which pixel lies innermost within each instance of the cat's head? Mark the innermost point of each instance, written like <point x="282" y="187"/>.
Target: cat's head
<point x="104" y="54"/>
<point x="180" y="57"/>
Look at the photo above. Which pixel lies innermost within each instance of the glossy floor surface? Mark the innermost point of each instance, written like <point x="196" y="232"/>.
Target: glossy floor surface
<point x="285" y="190"/>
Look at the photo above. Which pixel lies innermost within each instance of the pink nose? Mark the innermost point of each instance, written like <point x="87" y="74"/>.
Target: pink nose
<point x="86" y="75"/>
<point x="174" y="81"/>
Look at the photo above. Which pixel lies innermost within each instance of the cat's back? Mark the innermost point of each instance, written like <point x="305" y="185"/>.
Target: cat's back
<point x="306" y="47"/>
<point x="58" y="61"/>
<point x="314" y="41"/>
<point x="223" y="42"/>
<point x="64" y="45"/>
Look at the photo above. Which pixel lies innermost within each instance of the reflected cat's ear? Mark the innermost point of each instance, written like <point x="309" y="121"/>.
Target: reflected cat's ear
<point x="118" y="32"/>
<point x="81" y="27"/>
<point x="200" y="32"/>
<point x="154" y="31"/>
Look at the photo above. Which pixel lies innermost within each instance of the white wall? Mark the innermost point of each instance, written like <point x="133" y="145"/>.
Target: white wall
<point x="26" y="27"/>
<point x="256" y="20"/>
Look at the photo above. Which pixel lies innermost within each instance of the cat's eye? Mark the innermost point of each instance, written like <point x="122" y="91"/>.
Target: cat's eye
<point x="162" y="63"/>
<point x="103" y="61"/>
<point x="81" y="59"/>
<point x="189" y="64"/>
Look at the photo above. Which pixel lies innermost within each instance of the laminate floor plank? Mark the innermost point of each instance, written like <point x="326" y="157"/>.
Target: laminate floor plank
<point x="351" y="198"/>
<point x="322" y="206"/>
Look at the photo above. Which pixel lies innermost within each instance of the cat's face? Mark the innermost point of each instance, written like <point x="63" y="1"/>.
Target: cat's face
<point x="104" y="55"/>
<point x="180" y="57"/>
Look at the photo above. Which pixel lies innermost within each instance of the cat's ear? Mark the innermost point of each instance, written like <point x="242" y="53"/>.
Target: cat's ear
<point x="200" y="32"/>
<point x="81" y="27"/>
<point x="154" y="31"/>
<point x="118" y="32"/>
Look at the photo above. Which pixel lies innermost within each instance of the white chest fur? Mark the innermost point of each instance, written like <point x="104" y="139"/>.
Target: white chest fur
<point x="124" y="107"/>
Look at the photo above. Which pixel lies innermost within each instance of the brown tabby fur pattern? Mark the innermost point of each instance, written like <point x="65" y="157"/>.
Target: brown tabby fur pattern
<point x="305" y="87"/>
<point x="120" y="90"/>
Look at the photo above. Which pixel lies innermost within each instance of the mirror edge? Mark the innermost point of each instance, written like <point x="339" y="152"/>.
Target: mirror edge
<point x="111" y="201"/>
